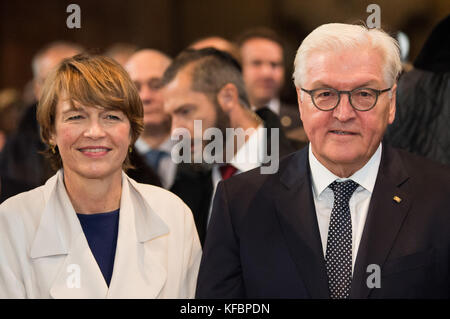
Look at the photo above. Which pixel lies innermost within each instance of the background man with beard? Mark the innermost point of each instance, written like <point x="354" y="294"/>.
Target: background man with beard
<point x="207" y="85"/>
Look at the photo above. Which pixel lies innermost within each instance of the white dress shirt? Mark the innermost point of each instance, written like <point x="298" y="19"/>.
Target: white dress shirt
<point x="321" y="178"/>
<point x="167" y="169"/>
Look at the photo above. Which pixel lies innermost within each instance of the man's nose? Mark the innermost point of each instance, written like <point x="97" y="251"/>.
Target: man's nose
<point x="344" y="110"/>
<point x="146" y="93"/>
<point x="266" y="69"/>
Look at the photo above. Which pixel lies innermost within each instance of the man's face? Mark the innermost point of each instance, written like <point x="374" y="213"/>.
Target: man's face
<point x="146" y="69"/>
<point x="185" y="105"/>
<point x="263" y="70"/>
<point x="344" y="139"/>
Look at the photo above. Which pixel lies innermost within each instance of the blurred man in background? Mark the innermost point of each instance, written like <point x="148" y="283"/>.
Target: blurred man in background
<point x="263" y="70"/>
<point x="146" y="68"/>
<point x="206" y="85"/>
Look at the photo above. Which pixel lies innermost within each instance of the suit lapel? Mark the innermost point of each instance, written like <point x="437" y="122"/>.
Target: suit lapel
<point x="298" y="220"/>
<point x="384" y="219"/>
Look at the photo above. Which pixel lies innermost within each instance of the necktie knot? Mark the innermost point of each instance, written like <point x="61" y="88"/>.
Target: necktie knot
<point x="343" y="190"/>
<point x="227" y="171"/>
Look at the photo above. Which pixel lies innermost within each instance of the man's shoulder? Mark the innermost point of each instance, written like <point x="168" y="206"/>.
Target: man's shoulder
<point x="258" y="178"/>
<point x="423" y="173"/>
<point x="420" y="165"/>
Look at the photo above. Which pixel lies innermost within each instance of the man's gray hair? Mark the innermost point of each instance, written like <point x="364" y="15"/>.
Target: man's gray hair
<point x="337" y="36"/>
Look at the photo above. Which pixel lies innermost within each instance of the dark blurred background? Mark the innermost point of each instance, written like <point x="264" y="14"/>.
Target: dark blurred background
<point x="171" y="25"/>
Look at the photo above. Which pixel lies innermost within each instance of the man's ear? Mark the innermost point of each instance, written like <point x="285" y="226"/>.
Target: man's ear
<point x="299" y="100"/>
<point x="228" y="97"/>
<point x="392" y="102"/>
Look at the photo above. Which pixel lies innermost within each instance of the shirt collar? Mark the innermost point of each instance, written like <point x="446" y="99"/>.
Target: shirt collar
<point x="321" y="177"/>
<point x="143" y="147"/>
<point x="273" y="105"/>
<point x="250" y="155"/>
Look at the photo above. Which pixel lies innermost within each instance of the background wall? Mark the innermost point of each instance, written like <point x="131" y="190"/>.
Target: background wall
<point x="170" y="25"/>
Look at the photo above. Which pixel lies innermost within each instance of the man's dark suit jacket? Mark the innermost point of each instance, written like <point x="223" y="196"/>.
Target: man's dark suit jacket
<point x="195" y="188"/>
<point x="263" y="240"/>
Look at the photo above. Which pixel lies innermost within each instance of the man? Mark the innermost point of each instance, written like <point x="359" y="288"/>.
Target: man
<point x="206" y="86"/>
<point x="21" y="163"/>
<point x="263" y="69"/>
<point x="346" y="217"/>
<point x="146" y="68"/>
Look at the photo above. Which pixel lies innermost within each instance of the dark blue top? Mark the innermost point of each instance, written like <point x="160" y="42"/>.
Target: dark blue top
<point x="101" y="233"/>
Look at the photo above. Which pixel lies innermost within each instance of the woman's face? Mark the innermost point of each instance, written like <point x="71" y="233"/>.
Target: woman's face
<point x="93" y="142"/>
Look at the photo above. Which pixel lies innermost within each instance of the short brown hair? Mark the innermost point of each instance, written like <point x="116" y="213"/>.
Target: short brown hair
<point x="91" y="80"/>
<point x="212" y="70"/>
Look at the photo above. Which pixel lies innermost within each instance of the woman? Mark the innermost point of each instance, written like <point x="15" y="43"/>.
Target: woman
<point x="91" y="231"/>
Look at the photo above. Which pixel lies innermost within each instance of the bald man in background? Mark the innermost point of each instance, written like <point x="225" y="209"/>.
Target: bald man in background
<point x="146" y="68"/>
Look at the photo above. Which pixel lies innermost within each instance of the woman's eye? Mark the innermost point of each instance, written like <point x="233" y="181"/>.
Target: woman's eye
<point x="112" y="117"/>
<point x="74" y="117"/>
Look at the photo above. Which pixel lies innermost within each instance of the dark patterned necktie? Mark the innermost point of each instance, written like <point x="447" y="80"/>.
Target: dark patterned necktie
<point x="339" y="243"/>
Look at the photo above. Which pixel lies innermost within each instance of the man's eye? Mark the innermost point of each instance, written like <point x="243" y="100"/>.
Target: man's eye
<point x="365" y="93"/>
<point x="184" y="111"/>
<point x="324" y="94"/>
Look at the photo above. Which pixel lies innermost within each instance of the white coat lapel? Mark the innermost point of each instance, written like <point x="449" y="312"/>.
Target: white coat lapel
<point x="141" y="254"/>
<point x="79" y="275"/>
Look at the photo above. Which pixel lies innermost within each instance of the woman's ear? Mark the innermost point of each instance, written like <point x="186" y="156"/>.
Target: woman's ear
<point x="228" y="97"/>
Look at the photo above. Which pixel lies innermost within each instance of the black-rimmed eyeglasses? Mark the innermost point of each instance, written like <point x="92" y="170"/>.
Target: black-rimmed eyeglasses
<point x="361" y="99"/>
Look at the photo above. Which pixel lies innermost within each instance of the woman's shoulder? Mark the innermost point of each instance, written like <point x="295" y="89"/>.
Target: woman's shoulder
<point x="22" y="212"/>
<point x="27" y="203"/>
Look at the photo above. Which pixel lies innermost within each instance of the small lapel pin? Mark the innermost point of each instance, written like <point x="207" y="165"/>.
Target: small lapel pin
<point x="397" y="199"/>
